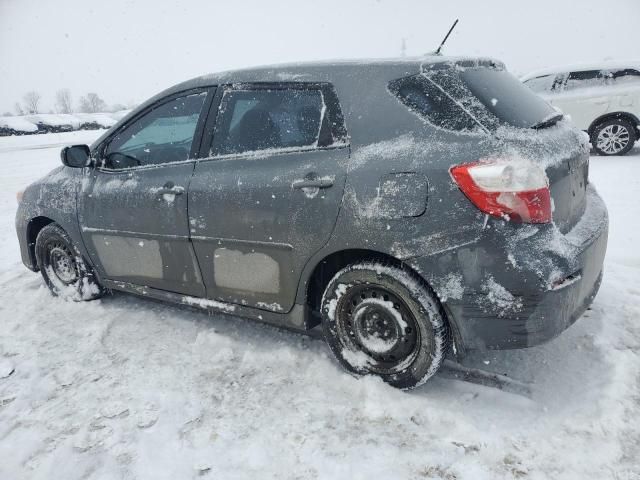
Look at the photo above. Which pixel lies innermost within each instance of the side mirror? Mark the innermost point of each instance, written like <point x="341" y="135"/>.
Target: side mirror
<point x="76" y="156"/>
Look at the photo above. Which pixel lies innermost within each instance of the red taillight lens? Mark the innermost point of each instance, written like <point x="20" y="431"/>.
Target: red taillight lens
<point x="515" y="190"/>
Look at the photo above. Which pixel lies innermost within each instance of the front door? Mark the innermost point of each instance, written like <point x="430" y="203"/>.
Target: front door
<point x="584" y="96"/>
<point x="133" y="204"/>
<point x="268" y="196"/>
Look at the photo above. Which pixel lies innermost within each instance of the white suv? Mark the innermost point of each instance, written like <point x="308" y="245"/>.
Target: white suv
<point x="602" y="100"/>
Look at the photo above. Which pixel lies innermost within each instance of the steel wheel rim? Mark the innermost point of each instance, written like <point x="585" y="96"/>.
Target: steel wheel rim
<point x="375" y="321"/>
<point x="613" y="138"/>
<point x="62" y="263"/>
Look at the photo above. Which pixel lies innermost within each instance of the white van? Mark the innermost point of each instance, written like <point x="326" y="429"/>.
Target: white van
<point x="603" y="100"/>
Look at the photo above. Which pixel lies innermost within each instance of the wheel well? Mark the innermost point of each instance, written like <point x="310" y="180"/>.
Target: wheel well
<point x="332" y="264"/>
<point x="33" y="229"/>
<point x="326" y="269"/>
<point x="609" y="116"/>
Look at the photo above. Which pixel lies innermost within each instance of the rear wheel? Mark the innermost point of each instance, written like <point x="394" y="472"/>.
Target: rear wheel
<point x="381" y="320"/>
<point x="613" y="137"/>
<point x="64" y="270"/>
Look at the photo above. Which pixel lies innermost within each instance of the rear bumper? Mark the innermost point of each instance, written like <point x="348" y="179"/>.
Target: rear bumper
<point x="523" y="290"/>
<point x="538" y="317"/>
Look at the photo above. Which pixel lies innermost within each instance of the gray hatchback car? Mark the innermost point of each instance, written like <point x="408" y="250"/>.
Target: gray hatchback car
<point x="412" y="207"/>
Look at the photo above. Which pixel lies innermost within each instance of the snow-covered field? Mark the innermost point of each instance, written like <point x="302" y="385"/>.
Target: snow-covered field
<point x="129" y="388"/>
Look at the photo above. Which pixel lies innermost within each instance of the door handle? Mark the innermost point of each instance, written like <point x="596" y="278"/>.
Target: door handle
<point x="318" y="183"/>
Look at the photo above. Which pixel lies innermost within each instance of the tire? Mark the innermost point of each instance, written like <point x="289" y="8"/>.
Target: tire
<point x="615" y="136"/>
<point x="64" y="270"/>
<point x="381" y="320"/>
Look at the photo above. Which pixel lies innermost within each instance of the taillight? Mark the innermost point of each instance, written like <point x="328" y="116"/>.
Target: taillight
<point x="516" y="190"/>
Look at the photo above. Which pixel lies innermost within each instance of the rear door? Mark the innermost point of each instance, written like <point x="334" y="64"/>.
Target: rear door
<point x="133" y="204"/>
<point x="584" y="97"/>
<point x="268" y="195"/>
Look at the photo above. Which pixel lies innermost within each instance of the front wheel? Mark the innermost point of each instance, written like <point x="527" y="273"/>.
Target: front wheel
<point x="380" y="319"/>
<point x="62" y="267"/>
<point x="613" y="137"/>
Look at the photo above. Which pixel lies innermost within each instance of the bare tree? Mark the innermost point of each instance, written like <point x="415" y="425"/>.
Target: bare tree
<point x="92" y="103"/>
<point x="31" y="101"/>
<point x="63" y="100"/>
<point x="18" y="109"/>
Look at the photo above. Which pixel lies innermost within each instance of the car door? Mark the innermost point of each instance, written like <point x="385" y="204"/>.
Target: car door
<point x="268" y="195"/>
<point x="584" y="96"/>
<point x="133" y="203"/>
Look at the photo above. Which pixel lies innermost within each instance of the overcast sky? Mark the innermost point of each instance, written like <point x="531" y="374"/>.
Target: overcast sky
<point x="127" y="50"/>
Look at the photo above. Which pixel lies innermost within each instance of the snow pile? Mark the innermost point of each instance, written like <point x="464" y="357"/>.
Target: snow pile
<point x="102" y="120"/>
<point x="546" y="146"/>
<point x="451" y="287"/>
<point x="499" y="298"/>
<point x="60" y="121"/>
<point x="206" y="304"/>
<point x="119" y="114"/>
<point x="54" y="120"/>
<point x="19" y="124"/>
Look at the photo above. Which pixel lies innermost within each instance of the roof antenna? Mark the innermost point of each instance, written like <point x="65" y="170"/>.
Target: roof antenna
<point x="437" y="52"/>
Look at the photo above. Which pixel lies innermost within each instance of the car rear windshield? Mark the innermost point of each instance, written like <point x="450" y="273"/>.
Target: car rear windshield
<point x="468" y="99"/>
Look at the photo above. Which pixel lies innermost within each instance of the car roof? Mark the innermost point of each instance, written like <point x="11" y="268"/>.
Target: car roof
<point x="582" y="67"/>
<point x="333" y="71"/>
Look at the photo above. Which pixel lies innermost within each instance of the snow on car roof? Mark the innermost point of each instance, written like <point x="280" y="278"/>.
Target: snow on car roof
<point x="581" y="67"/>
<point x="19" y="124"/>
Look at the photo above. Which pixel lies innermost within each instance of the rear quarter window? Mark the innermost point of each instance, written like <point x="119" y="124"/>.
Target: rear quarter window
<point x="430" y="101"/>
<point x="471" y="99"/>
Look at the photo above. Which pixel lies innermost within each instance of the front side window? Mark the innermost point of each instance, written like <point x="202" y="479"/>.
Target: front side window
<point x="162" y="135"/>
<point x="542" y="84"/>
<point x="266" y="119"/>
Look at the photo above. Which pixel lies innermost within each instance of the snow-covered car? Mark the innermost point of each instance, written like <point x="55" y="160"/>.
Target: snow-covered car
<point x="411" y="207"/>
<point x="16" y="126"/>
<point x="53" y="123"/>
<point x="603" y="100"/>
<point x="95" y="121"/>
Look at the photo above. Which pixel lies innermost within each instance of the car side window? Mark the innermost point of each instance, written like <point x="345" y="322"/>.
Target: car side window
<point x="625" y="76"/>
<point x="162" y="135"/>
<point x="261" y="119"/>
<point x="541" y="84"/>
<point x="587" y="78"/>
<point x="425" y="98"/>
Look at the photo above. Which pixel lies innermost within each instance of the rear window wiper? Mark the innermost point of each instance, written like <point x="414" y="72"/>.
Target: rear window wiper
<point x="548" y="121"/>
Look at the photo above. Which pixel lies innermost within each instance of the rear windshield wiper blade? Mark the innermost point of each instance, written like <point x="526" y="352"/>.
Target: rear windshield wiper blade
<point x="548" y="121"/>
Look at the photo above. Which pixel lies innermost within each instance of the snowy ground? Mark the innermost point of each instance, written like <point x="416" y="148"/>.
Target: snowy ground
<point x="129" y="388"/>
